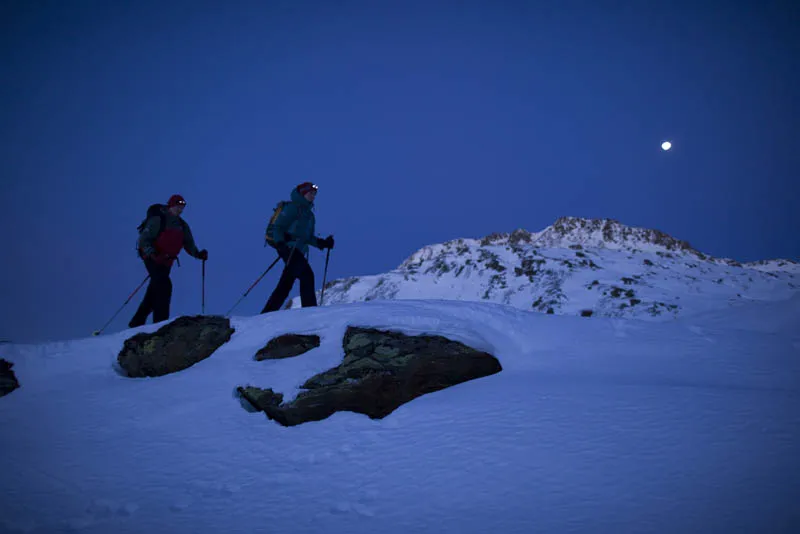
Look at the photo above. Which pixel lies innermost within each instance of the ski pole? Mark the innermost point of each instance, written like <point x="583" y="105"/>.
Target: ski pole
<point x="325" y="276"/>
<point x="97" y="332"/>
<point x="252" y="286"/>
<point x="203" y="301"/>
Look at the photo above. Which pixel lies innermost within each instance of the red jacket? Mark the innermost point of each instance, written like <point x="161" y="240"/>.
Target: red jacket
<point x="166" y="246"/>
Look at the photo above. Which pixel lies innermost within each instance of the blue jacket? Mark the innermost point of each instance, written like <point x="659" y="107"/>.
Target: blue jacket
<point x="295" y="224"/>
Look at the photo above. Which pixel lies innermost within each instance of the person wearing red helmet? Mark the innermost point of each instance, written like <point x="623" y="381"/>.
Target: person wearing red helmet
<point x="291" y="233"/>
<point x="161" y="238"/>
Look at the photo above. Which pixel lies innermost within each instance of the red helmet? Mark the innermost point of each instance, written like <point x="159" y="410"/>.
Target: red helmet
<point x="306" y="187"/>
<point x="176" y="200"/>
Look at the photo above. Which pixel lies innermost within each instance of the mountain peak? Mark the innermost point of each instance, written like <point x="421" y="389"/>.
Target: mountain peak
<point x="576" y="266"/>
<point x="607" y="233"/>
<point x="599" y="233"/>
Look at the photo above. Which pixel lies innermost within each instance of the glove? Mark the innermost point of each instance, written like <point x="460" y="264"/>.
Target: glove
<point x="283" y="249"/>
<point x="202" y="255"/>
<point x="326" y="243"/>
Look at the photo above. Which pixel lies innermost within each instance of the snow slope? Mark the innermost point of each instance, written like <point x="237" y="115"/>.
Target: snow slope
<point x="594" y="425"/>
<point x="576" y="266"/>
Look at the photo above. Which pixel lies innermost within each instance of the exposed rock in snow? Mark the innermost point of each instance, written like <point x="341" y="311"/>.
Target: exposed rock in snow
<point x="380" y="371"/>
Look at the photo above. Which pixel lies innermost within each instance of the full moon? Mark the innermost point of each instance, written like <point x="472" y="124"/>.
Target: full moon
<point x="666" y="145"/>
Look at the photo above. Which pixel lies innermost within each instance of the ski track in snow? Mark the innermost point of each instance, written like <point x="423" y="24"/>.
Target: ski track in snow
<point x="594" y="425"/>
<point x="702" y="333"/>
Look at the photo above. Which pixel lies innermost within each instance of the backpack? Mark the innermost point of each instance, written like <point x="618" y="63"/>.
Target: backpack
<point x="271" y="225"/>
<point x="155" y="210"/>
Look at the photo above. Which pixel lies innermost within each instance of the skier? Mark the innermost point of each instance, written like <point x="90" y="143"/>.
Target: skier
<point x="290" y="232"/>
<point x="161" y="238"/>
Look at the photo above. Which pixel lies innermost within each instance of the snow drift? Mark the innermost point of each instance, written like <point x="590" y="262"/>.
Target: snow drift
<point x="594" y="425"/>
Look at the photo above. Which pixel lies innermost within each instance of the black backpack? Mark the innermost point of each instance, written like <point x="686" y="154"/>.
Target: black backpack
<point x="155" y="210"/>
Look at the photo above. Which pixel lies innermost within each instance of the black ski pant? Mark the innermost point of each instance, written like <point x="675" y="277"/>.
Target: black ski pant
<point x="297" y="268"/>
<point x="157" y="297"/>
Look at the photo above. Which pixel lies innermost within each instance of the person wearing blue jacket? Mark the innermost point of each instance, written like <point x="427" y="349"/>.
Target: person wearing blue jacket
<point x="291" y="232"/>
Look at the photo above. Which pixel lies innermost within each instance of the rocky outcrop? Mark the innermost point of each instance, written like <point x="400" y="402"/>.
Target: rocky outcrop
<point x="380" y="372"/>
<point x="606" y="233"/>
<point x="8" y="381"/>
<point x="287" y="346"/>
<point x="175" y="346"/>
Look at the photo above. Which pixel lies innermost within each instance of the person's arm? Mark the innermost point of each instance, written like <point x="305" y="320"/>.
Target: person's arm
<point x="315" y="240"/>
<point x="189" y="244"/>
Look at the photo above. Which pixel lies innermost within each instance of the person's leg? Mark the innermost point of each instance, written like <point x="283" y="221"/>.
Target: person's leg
<point x="285" y="283"/>
<point x="162" y="293"/>
<point x="308" y="297"/>
<point x="140" y="317"/>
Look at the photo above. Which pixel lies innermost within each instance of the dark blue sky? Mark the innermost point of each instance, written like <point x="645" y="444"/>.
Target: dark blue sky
<point x="420" y="121"/>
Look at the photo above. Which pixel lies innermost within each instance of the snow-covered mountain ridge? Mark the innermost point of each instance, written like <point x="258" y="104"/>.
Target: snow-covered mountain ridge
<point x="576" y="266"/>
